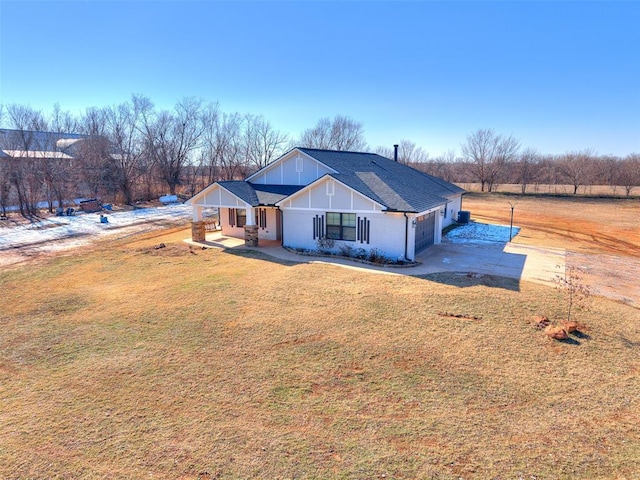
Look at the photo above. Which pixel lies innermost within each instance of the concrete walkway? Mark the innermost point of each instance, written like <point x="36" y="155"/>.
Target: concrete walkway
<point x="524" y="262"/>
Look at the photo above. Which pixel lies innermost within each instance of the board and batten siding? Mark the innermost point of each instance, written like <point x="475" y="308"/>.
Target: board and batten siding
<point x="296" y="169"/>
<point x="329" y="194"/>
<point x="220" y="197"/>
<point x="386" y="230"/>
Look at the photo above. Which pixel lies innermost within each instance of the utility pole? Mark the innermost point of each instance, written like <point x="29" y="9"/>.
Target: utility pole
<point x="513" y="205"/>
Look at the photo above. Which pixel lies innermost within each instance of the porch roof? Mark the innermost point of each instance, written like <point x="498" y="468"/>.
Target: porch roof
<point x="259" y="195"/>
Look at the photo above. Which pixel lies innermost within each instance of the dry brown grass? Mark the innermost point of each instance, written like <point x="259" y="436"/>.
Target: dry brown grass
<point x="587" y="225"/>
<point x="131" y="362"/>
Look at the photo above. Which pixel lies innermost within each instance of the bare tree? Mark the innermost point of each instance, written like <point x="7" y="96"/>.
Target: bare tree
<point x="171" y="138"/>
<point x="486" y="154"/>
<point x="24" y="169"/>
<point x="341" y="133"/>
<point x="208" y="159"/>
<point x="527" y="168"/>
<point x="5" y="185"/>
<point x="575" y="168"/>
<point x="606" y="171"/>
<point x="125" y="131"/>
<point x="224" y="147"/>
<point x="55" y="172"/>
<point x="505" y="154"/>
<point x="629" y="172"/>
<point x="229" y="147"/>
<point x="62" y="121"/>
<point x="408" y="152"/>
<point x="263" y="143"/>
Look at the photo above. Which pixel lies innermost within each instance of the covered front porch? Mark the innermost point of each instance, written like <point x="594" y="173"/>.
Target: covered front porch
<point x="253" y="225"/>
<point x="245" y="211"/>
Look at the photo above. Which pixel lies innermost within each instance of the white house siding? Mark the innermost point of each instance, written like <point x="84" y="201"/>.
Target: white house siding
<point x="453" y="207"/>
<point x="297" y="229"/>
<point x="329" y="194"/>
<point x="386" y="233"/>
<point x="270" y="232"/>
<point x="227" y="229"/>
<point x="386" y="230"/>
<point x="297" y="169"/>
<point x="219" y="197"/>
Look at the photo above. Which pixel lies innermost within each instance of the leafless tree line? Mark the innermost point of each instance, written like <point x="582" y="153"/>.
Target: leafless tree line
<point x="491" y="159"/>
<point x="133" y="151"/>
<point x="128" y="152"/>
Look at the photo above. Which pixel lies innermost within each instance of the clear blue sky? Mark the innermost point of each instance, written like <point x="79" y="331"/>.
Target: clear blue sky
<point x="559" y="76"/>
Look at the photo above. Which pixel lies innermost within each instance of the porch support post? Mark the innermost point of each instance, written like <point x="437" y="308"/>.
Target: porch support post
<point x="250" y="229"/>
<point x="197" y="213"/>
<point x="251" y="213"/>
<point x="198" y="231"/>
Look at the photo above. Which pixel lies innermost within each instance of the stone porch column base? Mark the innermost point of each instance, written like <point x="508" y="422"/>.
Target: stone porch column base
<point x="251" y="235"/>
<point x="198" y="232"/>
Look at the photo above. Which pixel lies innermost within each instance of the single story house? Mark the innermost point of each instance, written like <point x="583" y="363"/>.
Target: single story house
<point x="362" y="200"/>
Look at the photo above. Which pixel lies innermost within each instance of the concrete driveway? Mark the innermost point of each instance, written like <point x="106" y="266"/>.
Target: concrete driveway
<point x="511" y="260"/>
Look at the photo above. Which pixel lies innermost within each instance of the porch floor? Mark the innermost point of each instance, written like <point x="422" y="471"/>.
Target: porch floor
<point x="218" y="240"/>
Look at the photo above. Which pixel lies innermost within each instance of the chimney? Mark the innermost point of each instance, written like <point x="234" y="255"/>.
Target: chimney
<point x="395" y="152"/>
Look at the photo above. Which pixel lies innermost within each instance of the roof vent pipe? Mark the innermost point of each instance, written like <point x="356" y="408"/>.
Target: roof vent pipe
<point x="395" y="152"/>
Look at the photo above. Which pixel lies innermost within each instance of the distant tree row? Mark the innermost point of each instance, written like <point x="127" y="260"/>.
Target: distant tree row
<point x="134" y="151"/>
<point x="490" y="160"/>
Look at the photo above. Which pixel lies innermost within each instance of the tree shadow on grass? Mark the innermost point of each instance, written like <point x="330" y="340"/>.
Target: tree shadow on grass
<point x="258" y="255"/>
<point x="471" y="279"/>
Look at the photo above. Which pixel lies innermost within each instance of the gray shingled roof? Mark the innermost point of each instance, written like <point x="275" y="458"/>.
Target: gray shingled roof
<point x="392" y="184"/>
<point x="257" y="195"/>
<point x="35" y="140"/>
<point x="271" y="194"/>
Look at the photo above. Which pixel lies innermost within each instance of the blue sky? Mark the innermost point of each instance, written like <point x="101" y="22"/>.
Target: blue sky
<point x="559" y="76"/>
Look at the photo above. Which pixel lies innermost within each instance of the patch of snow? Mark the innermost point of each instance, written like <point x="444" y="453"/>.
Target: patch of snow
<point x="474" y="232"/>
<point x="53" y="229"/>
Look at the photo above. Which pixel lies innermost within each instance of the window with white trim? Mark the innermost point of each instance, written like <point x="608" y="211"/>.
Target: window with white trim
<point x="341" y="226"/>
